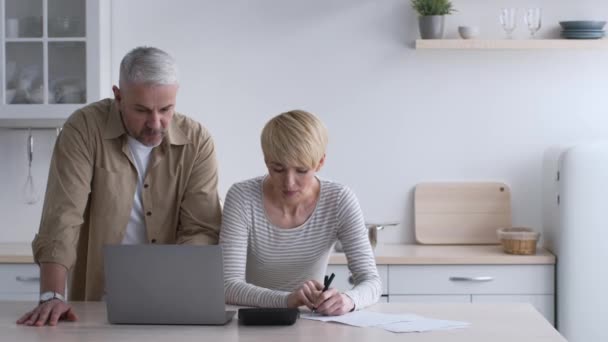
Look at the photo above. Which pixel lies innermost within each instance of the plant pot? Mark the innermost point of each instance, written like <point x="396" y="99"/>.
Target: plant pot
<point x="431" y="26"/>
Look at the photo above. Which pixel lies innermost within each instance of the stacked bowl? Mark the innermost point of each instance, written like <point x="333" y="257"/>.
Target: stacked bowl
<point x="583" y="29"/>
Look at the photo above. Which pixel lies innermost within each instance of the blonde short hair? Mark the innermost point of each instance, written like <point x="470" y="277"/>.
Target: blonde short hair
<point x="294" y="138"/>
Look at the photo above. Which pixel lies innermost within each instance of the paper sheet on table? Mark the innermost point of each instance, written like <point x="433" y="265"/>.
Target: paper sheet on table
<point x="364" y="318"/>
<point x="424" y="324"/>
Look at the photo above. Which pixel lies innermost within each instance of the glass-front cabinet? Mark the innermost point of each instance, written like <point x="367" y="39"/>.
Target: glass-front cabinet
<point x="50" y="60"/>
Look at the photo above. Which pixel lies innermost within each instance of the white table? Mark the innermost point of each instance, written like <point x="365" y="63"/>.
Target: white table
<point x="489" y="322"/>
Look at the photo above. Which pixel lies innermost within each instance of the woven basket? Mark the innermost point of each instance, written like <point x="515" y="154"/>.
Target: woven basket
<point x="518" y="240"/>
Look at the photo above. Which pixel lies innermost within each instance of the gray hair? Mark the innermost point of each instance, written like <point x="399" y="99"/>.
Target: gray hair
<point x="148" y="65"/>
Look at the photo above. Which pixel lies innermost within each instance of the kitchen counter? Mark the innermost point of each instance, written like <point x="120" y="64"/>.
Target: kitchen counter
<point x="16" y="253"/>
<point x="489" y="322"/>
<point x="386" y="254"/>
<point x="401" y="254"/>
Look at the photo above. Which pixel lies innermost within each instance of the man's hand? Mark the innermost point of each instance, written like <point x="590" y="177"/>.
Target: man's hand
<point x="333" y="303"/>
<point x="306" y="294"/>
<point x="49" y="313"/>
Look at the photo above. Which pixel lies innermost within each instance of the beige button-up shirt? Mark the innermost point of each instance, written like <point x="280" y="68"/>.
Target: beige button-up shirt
<point x="92" y="181"/>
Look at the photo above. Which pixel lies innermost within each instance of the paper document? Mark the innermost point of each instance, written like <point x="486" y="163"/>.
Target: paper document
<point x="392" y="322"/>
<point x="363" y="318"/>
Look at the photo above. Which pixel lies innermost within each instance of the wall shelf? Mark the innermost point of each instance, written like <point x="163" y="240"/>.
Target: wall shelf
<point x="514" y="44"/>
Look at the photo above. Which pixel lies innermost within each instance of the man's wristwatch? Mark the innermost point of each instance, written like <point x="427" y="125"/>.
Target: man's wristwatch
<point x="50" y="295"/>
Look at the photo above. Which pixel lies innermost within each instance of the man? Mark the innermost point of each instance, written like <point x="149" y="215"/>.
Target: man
<point x="125" y="170"/>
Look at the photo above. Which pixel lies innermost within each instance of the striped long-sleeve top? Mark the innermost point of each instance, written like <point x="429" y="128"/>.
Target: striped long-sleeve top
<point x="264" y="263"/>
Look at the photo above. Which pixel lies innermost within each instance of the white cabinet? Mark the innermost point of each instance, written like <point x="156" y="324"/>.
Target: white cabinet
<point x="20" y="282"/>
<point x="50" y="57"/>
<point x="471" y="279"/>
<point x="343" y="280"/>
<point x="532" y="284"/>
<point x="430" y="299"/>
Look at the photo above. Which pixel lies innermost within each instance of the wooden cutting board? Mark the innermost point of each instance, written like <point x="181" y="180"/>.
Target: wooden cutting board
<point x="461" y="213"/>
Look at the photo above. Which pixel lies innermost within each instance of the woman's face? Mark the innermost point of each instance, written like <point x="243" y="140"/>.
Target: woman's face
<point x="292" y="183"/>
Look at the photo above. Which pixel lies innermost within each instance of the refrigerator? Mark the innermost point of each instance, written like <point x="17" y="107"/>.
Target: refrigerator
<point x="575" y="227"/>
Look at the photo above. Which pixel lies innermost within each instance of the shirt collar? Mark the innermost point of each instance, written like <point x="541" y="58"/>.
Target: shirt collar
<point x="115" y="128"/>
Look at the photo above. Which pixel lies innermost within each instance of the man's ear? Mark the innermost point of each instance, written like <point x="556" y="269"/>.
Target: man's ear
<point x="116" y="92"/>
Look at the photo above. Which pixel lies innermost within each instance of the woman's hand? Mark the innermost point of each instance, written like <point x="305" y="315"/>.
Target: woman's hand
<point x="333" y="303"/>
<point x="306" y="294"/>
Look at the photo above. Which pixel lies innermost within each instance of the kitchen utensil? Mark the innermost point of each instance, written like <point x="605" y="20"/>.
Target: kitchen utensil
<point x="508" y="20"/>
<point x="461" y="213"/>
<point x="582" y="24"/>
<point x="518" y="240"/>
<point x="30" y="194"/>
<point x="372" y="231"/>
<point x="533" y="18"/>
<point x="468" y="32"/>
<point x="582" y="35"/>
<point x="372" y="234"/>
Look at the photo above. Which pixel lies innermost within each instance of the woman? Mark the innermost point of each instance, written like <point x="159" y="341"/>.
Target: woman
<point x="278" y="230"/>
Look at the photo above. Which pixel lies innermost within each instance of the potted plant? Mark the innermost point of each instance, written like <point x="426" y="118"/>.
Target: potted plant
<point x="432" y="17"/>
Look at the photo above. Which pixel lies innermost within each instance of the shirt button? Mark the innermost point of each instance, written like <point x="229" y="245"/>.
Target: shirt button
<point x="149" y="213"/>
<point x="153" y="240"/>
<point x="146" y="185"/>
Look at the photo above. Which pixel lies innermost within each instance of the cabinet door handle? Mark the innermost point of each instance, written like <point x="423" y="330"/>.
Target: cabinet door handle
<point x="474" y="279"/>
<point x="28" y="279"/>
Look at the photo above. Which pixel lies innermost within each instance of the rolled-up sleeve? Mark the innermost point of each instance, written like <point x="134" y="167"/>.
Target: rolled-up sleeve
<point x="66" y="198"/>
<point x="200" y="213"/>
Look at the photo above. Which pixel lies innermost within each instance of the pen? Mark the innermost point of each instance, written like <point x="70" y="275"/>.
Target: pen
<point x="326" y="283"/>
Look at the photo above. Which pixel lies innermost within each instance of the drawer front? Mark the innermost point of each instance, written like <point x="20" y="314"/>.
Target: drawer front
<point x="471" y="279"/>
<point x="19" y="278"/>
<point x="430" y="299"/>
<point x="545" y="304"/>
<point x="20" y="297"/>
<point x="341" y="281"/>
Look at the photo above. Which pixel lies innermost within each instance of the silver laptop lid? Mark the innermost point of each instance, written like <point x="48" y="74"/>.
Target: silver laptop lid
<point x="164" y="284"/>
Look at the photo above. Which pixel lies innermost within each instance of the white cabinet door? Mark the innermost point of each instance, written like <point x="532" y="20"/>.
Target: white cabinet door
<point x="545" y="304"/>
<point x="19" y="281"/>
<point x="471" y="279"/>
<point x="429" y="299"/>
<point x="343" y="282"/>
<point x="49" y="60"/>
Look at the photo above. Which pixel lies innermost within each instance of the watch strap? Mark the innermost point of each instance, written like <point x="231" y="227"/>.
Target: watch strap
<point x="50" y="295"/>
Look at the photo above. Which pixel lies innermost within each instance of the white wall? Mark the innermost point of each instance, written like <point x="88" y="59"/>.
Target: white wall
<point x="396" y="116"/>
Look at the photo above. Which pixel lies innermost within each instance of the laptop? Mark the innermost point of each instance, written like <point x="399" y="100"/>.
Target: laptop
<point x="165" y="284"/>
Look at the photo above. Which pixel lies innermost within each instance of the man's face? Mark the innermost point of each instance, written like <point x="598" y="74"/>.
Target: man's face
<point x="146" y="110"/>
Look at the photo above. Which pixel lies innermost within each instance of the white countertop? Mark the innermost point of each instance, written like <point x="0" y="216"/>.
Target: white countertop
<point x="489" y="322"/>
<point x="16" y="253"/>
<point x="401" y="254"/>
<point x="386" y="254"/>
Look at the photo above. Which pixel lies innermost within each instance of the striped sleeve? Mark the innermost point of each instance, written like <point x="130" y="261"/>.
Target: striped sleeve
<point x="234" y="240"/>
<point x="352" y="234"/>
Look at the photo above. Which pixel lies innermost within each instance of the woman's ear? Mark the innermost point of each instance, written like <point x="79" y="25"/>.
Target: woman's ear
<point x="321" y="162"/>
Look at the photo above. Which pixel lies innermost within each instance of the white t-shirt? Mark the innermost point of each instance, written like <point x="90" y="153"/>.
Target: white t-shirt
<point x="136" y="228"/>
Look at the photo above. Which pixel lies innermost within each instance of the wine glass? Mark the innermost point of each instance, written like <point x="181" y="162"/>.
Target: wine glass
<point x="508" y="20"/>
<point x="533" y="18"/>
